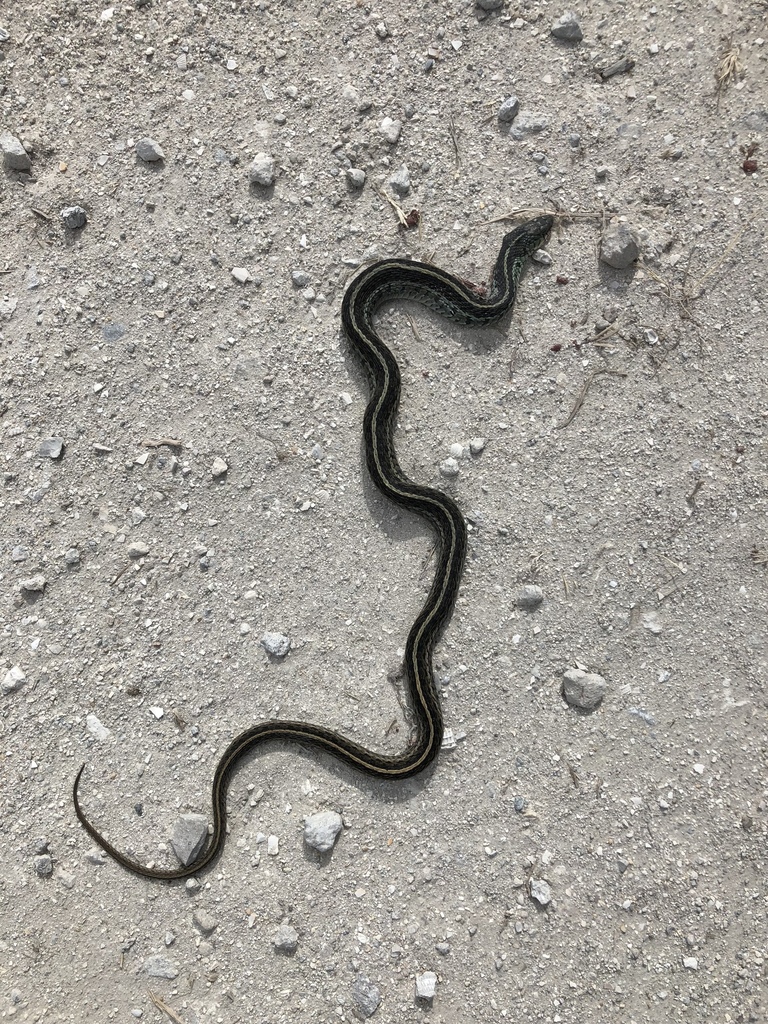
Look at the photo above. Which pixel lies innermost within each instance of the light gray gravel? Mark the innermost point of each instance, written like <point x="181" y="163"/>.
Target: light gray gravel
<point x="611" y="437"/>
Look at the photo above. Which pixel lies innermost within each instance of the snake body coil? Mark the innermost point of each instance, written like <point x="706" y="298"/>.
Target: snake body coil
<point x="387" y="279"/>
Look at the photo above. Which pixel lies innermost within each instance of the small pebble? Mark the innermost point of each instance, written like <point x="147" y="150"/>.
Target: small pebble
<point x="618" y="247"/>
<point x="34" y="584"/>
<point x="15" y="157"/>
<point x="204" y="922"/>
<point x="137" y="549"/>
<point x="530" y="597"/>
<point x="509" y="109"/>
<point x="43" y="865"/>
<point x="149" y="150"/>
<point x="218" y="468"/>
<point x="300" y="279"/>
<point x="286" y="939"/>
<point x="51" y="448"/>
<point x="540" y="891"/>
<point x="159" y="966"/>
<point x="241" y="274"/>
<point x="449" y="468"/>
<point x="262" y="170"/>
<point x="95" y="728"/>
<point x="391" y="129"/>
<point x="401" y="181"/>
<point x="425" y="986"/>
<point x="690" y="963"/>
<point x="12" y="680"/>
<point x="477" y="445"/>
<point x="365" y="996"/>
<point x="189" y="836"/>
<point x="567" y="27"/>
<point x="321" y="830"/>
<point x="273" y="846"/>
<point x="584" y="690"/>
<point x="355" y="177"/>
<point x="74" y="217"/>
<point x="276" y="644"/>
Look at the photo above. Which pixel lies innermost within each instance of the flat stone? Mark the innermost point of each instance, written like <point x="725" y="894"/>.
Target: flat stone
<point x="159" y="966"/>
<point x="51" y="447"/>
<point x="149" y="150"/>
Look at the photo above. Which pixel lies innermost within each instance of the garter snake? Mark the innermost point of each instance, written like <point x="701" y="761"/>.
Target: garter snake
<point x="385" y="279"/>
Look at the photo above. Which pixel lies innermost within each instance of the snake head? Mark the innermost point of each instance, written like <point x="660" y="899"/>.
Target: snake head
<point x="524" y="240"/>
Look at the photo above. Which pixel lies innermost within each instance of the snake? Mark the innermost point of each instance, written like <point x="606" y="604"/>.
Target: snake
<point x="455" y="299"/>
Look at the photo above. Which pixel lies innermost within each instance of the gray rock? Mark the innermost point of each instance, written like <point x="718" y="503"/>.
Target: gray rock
<point x="365" y="995"/>
<point x="159" y="966"/>
<point x="321" y="830"/>
<point x="262" y="170"/>
<point x="218" y="468"/>
<point x="15" y="157"/>
<point x="34" y="584"/>
<point x="12" y="680"/>
<point x="541" y="892"/>
<point x="19" y="553"/>
<point x="43" y="865"/>
<point x="509" y="109"/>
<point x="286" y="939"/>
<point x="391" y="129"/>
<point x="530" y="597"/>
<point x="355" y="177"/>
<point x="477" y="445"/>
<point x="401" y="180"/>
<point x="425" y="986"/>
<point x="584" y="690"/>
<point x="72" y="557"/>
<point x="300" y="279"/>
<point x="449" y="468"/>
<point x="189" y="837"/>
<point x="567" y="27"/>
<point x="529" y="122"/>
<point x="204" y="922"/>
<point x="113" y="332"/>
<point x="74" y="217"/>
<point x="149" y="150"/>
<point x="51" y="447"/>
<point x="137" y="549"/>
<point x="276" y="644"/>
<point x="618" y="247"/>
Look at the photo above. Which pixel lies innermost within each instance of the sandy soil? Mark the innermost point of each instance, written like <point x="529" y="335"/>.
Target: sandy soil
<point x="635" y="499"/>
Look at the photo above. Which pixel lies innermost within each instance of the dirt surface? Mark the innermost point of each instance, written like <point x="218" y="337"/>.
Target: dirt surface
<point x="635" y="499"/>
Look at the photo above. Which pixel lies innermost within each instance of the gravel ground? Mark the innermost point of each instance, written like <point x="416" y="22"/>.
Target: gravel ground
<point x="182" y="473"/>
